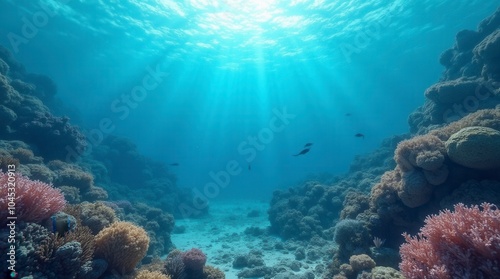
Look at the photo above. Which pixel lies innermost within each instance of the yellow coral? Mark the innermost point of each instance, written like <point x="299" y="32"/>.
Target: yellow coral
<point x="211" y="272"/>
<point x="122" y="245"/>
<point x="145" y="274"/>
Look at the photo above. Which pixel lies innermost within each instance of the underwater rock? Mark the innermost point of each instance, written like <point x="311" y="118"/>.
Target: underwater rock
<point x="467" y="39"/>
<point x="475" y="147"/>
<point x="453" y="91"/>
<point x="488" y="52"/>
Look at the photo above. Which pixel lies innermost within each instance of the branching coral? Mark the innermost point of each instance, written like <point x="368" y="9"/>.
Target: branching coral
<point x="34" y="200"/>
<point x="460" y="244"/>
<point x="122" y="245"/>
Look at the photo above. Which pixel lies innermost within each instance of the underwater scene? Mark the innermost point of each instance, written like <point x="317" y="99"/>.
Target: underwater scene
<point x="211" y="139"/>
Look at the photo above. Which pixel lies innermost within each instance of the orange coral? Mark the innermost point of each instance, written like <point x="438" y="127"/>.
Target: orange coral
<point x="122" y="245"/>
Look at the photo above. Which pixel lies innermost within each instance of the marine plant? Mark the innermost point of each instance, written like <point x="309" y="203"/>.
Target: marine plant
<point x="460" y="244"/>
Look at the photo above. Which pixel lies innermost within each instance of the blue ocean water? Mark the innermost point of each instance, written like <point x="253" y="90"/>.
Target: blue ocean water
<point x="241" y="86"/>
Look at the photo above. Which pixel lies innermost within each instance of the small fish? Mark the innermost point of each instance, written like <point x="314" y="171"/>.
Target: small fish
<point x="60" y="225"/>
<point x="304" y="151"/>
<point x="348" y="114"/>
<point x="249" y="167"/>
<point x="359" y="135"/>
<point x="308" y="144"/>
<point x="174" y="164"/>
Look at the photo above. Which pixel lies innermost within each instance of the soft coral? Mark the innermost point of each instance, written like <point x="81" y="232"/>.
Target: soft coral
<point x="460" y="244"/>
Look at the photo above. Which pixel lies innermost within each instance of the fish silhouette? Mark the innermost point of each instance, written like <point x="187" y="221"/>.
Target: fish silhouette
<point x="348" y="114"/>
<point x="308" y="144"/>
<point x="304" y="151"/>
<point x="174" y="164"/>
<point x="249" y="167"/>
<point x="359" y="135"/>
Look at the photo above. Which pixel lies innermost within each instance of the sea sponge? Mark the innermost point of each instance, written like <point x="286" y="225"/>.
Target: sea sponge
<point x="122" y="245"/>
<point x="475" y="147"/>
<point x="361" y="262"/>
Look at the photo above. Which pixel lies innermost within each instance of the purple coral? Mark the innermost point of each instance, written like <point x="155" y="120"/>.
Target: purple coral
<point x="34" y="200"/>
<point x="460" y="244"/>
<point x="194" y="259"/>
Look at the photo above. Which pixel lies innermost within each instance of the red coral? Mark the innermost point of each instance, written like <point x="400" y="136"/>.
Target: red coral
<point x="194" y="259"/>
<point x="34" y="200"/>
<point x="460" y="244"/>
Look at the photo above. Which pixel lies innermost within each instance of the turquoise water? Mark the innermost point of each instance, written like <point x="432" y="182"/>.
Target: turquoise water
<point x="190" y="81"/>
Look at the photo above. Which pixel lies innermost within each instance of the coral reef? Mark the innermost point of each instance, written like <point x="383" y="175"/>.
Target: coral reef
<point x="34" y="200"/>
<point x="455" y="244"/>
<point x="361" y="262"/>
<point x="122" y="245"/>
<point x="174" y="265"/>
<point x="310" y="209"/>
<point x="26" y="118"/>
<point x="194" y="260"/>
<point x="475" y="147"/>
<point x="144" y="274"/>
<point x="470" y="81"/>
<point x="96" y="216"/>
<point x="352" y="237"/>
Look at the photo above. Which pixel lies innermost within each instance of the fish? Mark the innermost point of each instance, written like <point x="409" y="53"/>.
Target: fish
<point x="60" y="224"/>
<point x="359" y="135"/>
<point x="249" y="167"/>
<point x="348" y="114"/>
<point x="308" y="144"/>
<point x="304" y="151"/>
<point x="174" y="164"/>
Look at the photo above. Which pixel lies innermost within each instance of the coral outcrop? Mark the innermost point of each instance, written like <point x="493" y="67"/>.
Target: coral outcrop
<point x="122" y="245"/>
<point x="475" y="147"/>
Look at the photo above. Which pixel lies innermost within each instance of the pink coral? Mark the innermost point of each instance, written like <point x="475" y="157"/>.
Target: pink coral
<point x="34" y="200"/>
<point x="460" y="244"/>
